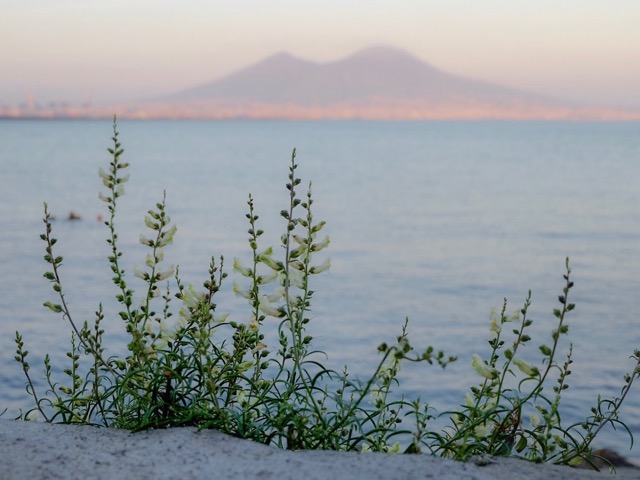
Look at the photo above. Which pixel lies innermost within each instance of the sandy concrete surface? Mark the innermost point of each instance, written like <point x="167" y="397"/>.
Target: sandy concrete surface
<point x="34" y="451"/>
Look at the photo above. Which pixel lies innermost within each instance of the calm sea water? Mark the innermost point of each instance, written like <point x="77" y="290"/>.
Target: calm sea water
<point x="434" y="221"/>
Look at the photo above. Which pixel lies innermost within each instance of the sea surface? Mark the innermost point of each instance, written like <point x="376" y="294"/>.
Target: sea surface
<point x="437" y="222"/>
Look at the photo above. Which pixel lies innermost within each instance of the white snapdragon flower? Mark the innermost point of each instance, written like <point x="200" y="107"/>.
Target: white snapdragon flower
<point x="240" y="268"/>
<point x="395" y="448"/>
<point x="268" y="309"/>
<point x="376" y="397"/>
<point x="297" y="265"/>
<point x="107" y="179"/>
<point x="322" y="267"/>
<point x="316" y="247"/>
<point x="241" y="397"/>
<point x="277" y="295"/>
<point x="482" y="368"/>
<point x="525" y="367"/>
<point x="270" y="262"/>
<point x="152" y="261"/>
<point x="160" y="276"/>
<point x="141" y="274"/>
<point x="299" y="240"/>
<point x="266" y="279"/>
<point x="34" y="416"/>
<point x="220" y="317"/>
<point x="150" y="223"/>
<point x="319" y="226"/>
<point x="167" y="237"/>
<point x="535" y="420"/>
<point x="240" y="292"/>
<point x="145" y="241"/>
<point x="191" y="297"/>
<point x="469" y="401"/>
<point x="296" y="278"/>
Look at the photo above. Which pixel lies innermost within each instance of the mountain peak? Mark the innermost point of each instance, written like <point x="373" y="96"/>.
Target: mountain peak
<point x="380" y="81"/>
<point x="378" y="52"/>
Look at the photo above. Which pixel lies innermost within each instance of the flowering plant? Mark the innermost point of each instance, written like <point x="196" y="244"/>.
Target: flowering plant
<point x="189" y="364"/>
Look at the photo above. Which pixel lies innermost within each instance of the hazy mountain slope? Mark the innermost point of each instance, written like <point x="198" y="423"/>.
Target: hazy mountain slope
<point x="373" y="73"/>
<point x="376" y="83"/>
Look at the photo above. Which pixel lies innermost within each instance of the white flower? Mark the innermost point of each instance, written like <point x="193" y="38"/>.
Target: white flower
<point x="296" y="278"/>
<point x="254" y="326"/>
<point x="495" y="328"/>
<point x="220" y="317"/>
<point x="191" y="297"/>
<point x="167" y="237"/>
<point x="152" y="261"/>
<point x="166" y="334"/>
<point x="244" y="366"/>
<point x="160" y="276"/>
<point x="138" y="272"/>
<point x="268" y="309"/>
<point x="482" y="368"/>
<point x="265" y="279"/>
<point x="148" y="221"/>
<point x="376" y="397"/>
<point x="299" y="240"/>
<point x="395" y="448"/>
<point x="106" y="178"/>
<point x="481" y="430"/>
<point x="297" y="265"/>
<point x="316" y="247"/>
<point x="276" y="296"/>
<point x="319" y="226"/>
<point x="240" y="268"/>
<point x="270" y="262"/>
<point x="148" y="328"/>
<point x="535" y="420"/>
<point x="524" y="367"/>
<point x="322" y="267"/>
<point x="268" y="252"/>
<point x="237" y="289"/>
<point x="241" y="397"/>
<point x="145" y="241"/>
<point x="34" y="416"/>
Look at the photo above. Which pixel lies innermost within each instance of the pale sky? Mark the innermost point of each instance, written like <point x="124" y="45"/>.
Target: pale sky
<point x="110" y="50"/>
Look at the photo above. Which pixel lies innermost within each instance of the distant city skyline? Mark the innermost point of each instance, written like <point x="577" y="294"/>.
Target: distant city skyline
<point x="84" y="51"/>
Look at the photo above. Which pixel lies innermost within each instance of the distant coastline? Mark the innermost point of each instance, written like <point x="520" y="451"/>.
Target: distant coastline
<point x="311" y="115"/>
<point x="377" y="83"/>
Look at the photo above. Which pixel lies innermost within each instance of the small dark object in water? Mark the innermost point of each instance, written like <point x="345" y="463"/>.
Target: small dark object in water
<point x="74" y="216"/>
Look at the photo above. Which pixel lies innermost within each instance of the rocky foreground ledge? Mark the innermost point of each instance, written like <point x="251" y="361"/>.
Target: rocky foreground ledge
<point x="34" y="451"/>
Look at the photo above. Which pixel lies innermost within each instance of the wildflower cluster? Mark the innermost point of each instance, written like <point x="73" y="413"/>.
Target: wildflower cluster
<point x="259" y="377"/>
<point x="510" y="412"/>
<point x="188" y="364"/>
